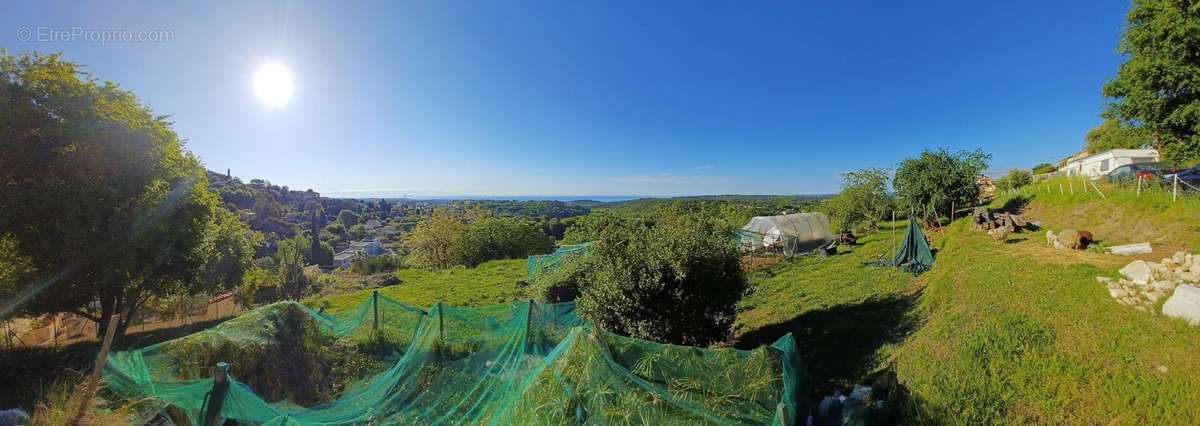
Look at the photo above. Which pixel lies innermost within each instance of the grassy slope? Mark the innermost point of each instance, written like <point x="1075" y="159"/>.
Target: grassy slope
<point x="491" y="283"/>
<point x="841" y="311"/>
<point x="1014" y="333"/>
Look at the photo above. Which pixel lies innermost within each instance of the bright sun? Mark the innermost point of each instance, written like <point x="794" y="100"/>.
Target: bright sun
<point x="274" y="86"/>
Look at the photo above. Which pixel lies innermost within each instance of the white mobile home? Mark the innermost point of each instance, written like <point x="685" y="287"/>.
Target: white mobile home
<point x="1095" y="166"/>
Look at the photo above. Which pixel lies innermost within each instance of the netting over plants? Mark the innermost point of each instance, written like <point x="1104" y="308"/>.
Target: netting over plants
<point x="543" y="264"/>
<point x="388" y="363"/>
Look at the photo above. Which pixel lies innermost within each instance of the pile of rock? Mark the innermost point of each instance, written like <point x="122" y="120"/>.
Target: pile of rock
<point x="997" y="224"/>
<point x="1143" y="284"/>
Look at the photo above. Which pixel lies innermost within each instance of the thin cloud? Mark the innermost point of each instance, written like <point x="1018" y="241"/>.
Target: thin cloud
<point x="673" y="178"/>
<point x="708" y="167"/>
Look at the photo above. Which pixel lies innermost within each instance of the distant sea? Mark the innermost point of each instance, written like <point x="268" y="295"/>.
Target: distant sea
<point x="602" y="198"/>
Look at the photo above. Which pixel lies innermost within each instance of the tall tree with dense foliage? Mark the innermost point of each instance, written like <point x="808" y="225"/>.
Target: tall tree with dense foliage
<point x="436" y="241"/>
<point x="938" y="180"/>
<point x="1044" y="168"/>
<point x="347" y="218"/>
<point x="1158" y="87"/>
<point x="100" y="199"/>
<point x="679" y="281"/>
<point x="863" y="202"/>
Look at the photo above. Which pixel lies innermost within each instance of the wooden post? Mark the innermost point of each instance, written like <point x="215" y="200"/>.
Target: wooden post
<point x="375" y="307"/>
<point x="1060" y="188"/>
<point x="441" y="322"/>
<point x="1071" y="184"/>
<point x="1139" y="192"/>
<point x="893" y="231"/>
<point x="1175" y="190"/>
<point x="1097" y="188"/>
<point x="216" y="398"/>
<point x="93" y="379"/>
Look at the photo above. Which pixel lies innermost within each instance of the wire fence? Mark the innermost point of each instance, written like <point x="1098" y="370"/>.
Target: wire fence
<point x="1168" y="190"/>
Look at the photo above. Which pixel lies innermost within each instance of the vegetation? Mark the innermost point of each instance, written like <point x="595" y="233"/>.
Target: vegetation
<point x="1016" y="178"/>
<point x="863" y="202"/>
<point x="491" y="283"/>
<point x="436" y="242"/>
<point x="503" y="238"/>
<point x="1157" y="89"/>
<point x="1112" y="134"/>
<point x="100" y="201"/>
<point x="1044" y="168"/>
<point x="939" y="181"/>
<point x="676" y="282"/>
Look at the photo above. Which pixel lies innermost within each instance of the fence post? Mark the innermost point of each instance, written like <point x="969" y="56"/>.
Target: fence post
<point x="1097" y="188"/>
<point x="216" y="398"/>
<point x="1060" y="189"/>
<point x="1175" y="191"/>
<point x="375" y="307"/>
<point x="1071" y="184"/>
<point x="101" y="358"/>
<point x="1139" y="192"/>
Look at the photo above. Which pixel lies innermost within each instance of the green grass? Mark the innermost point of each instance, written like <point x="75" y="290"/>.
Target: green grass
<point x="840" y="310"/>
<point x="1013" y="334"/>
<point x="491" y="283"/>
<point x="1122" y="215"/>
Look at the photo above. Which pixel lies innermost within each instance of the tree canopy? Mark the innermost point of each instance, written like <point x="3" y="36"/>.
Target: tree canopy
<point x="863" y="202"/>
<point x="100" y="200"/>
<point x="938" y="180"/>
<point x="1111" y="134"/>
<point x="1157" y="88"/>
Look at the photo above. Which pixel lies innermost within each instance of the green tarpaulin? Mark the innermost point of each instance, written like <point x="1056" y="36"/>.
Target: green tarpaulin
<point x="914" y="255"/>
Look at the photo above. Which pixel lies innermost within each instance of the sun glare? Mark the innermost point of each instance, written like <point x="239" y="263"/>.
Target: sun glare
<point x="274" y="86"/>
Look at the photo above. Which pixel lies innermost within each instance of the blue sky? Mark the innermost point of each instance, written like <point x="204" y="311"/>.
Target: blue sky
<point x="599" y="98"/>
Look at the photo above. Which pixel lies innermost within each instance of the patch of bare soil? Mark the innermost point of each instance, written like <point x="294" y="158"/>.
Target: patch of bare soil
<point x="1113" y="225"/>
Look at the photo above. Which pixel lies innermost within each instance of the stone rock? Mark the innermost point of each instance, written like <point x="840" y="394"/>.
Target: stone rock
<point x="1051" y="239"/>
<point x="1195" y="268"/>
<point x="1163" y="286"/>
<point x="1117" y="293"/>
<point x="1142" y="308"/>
<point x="1167" y="262"/>
<point x="1153" y="297"/>
<point x="1160" y="270"/>
<point x="1179" y="257"/>
<point x="1104" y="280"/>
<point x="1185" y="304"/>
<point x="999" y="234"/>
<point x="1138" y="272"/>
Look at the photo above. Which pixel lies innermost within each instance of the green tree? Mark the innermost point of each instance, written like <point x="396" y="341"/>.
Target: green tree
<point x="678" y="282"/>
<point x="938" y="180"/>
<point x="1016" y="178"/>
<point x="357" y="232"/>
<point x="503" y="238"/>
<point x="1044" y="168"/>
<point x="290" y="259"/>
<point x="347" y="218"/>
<point x="436" y="241"/>
<point x="863" y="202"/>
<point x="588" y="228"/>
<point x="99" y="196"/>
<point x="1111" y="134"/>
<point x="1157" y="88"/>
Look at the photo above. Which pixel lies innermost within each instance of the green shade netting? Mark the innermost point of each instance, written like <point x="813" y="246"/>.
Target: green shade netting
<point x="388" y="363"/>
<point x="539" y="265"/>
<point x="914" y="255"/>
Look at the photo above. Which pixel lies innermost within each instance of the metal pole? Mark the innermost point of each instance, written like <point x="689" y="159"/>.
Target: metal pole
<point x="94" y="378"/>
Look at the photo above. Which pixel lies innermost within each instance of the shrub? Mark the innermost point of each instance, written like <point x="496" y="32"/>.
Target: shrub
<point x="503" y="238"/>
<point x="678" y="282"/>
<point x="1016" y="178"/>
